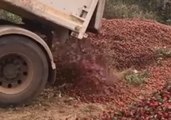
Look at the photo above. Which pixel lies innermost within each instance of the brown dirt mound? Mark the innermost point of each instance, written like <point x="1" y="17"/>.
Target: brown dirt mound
<point x="88" y="64"/>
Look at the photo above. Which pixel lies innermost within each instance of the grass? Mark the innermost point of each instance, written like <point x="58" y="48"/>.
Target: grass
<point x="5" y="15"/>
<point x="161" y="54"/>
<point x="132" y="76"/>
<point x="164" y="52"/>
<point x="127" y="11"/>
<point x="136" y="78"/>
<point x="143" y="9"/>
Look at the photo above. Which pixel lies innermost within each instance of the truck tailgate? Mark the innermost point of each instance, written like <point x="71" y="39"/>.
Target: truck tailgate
<point x="71" y="14"/>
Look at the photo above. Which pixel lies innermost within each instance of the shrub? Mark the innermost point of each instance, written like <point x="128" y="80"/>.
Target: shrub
<point x="9" y="16"/>
<point x="136" y="78"/>
<point x="127" y="11"/>
<point x="150" y="9"/>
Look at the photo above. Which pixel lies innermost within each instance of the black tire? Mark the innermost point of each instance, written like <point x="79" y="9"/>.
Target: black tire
<point x="21" y="54"/>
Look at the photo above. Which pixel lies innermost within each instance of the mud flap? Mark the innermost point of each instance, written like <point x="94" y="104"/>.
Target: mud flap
<point x="52" y="76"/>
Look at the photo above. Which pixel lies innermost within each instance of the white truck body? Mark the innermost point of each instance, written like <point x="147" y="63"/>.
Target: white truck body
<point x="26" y="59"/>
<point x="74" y="15"/>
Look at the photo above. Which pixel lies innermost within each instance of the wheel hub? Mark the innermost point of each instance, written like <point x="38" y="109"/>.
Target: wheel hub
<point x="13" y="71"/>
<point x="10" y="71"/>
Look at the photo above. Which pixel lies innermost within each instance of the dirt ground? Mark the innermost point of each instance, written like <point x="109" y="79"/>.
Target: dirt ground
<point x="136" y="53"/>
<point x="52" y="105"/>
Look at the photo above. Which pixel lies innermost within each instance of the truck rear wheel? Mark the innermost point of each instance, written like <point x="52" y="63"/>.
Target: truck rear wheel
<point x="23" y="70"/>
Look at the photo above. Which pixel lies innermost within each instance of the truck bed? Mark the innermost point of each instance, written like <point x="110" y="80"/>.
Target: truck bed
<point x="74" y="15"/>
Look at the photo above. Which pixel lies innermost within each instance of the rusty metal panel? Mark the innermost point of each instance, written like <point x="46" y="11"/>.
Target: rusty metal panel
<point x="71" y="14"/>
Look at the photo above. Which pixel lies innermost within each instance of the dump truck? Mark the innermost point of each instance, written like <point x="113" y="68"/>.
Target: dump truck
<point x="26" y="60"/>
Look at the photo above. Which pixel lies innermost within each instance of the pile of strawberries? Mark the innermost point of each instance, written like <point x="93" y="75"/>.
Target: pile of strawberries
<point x="157" y="107"/>
<point x="127" y="43"/>
<point x="88" y="66"/>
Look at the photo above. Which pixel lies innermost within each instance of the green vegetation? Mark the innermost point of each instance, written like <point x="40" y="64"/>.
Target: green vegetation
<point x="164" y="53"/>
<point x="9" y="16"/>
<point x="136" y="78"/>
<point x="159" y="10"/>
<point x="161" y="54"/>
